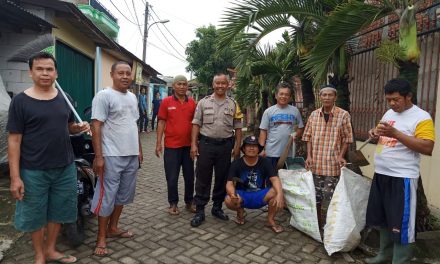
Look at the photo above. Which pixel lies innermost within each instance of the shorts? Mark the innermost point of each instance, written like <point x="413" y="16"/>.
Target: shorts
<point x="50" y="196"/>
<point x="253" y="200"/>
<point x="118" y="186"/>
<point x="392" y="205"/>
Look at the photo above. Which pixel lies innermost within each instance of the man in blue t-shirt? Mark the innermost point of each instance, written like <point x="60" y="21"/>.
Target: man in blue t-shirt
<point x="143" y="110"/>
<point x="156" y="105"/>
<point x="248" y="186"/>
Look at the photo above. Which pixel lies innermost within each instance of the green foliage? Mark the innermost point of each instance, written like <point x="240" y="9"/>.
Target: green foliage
<point x="343" y="22"/>
<point x="389" y="52"/>
<point x="203" y="57"/>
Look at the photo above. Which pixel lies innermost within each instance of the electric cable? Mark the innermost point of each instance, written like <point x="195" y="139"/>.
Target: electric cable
<point x="167" y="28"/>
<point x="122" y="13"/>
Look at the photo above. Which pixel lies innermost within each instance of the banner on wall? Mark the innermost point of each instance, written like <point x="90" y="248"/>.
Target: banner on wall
<point x="138" y="76"/>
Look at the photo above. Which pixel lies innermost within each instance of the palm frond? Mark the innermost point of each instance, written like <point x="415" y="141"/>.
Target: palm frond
<point x="343" y="23"/>
<point x="254" y="13"/>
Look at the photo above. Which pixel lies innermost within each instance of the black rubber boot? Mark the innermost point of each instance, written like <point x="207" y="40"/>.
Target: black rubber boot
<point x="386" y="249"/>
<point x="402" y="253"/>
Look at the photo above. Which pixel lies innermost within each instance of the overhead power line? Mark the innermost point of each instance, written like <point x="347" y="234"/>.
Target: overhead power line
<point x="122" y="13"/>
<point x="172" y="46"/>
<point x="167" y="29"/>
<point x="159" y="48"/>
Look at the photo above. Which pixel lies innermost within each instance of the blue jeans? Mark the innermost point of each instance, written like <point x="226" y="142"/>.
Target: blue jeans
<point x="174" y="158"/>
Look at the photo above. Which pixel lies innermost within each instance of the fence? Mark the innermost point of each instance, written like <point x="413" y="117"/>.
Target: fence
<point x="368" y="102"/>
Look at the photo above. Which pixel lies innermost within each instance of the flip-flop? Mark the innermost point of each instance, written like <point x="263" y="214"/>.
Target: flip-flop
<point x="105" y="254"/>
<point x="62" y="259"/>
<point x="275" y="228"/>
<point x="121" y="234"/>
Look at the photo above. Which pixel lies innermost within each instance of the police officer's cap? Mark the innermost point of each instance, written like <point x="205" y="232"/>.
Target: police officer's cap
<point x="251" y="140"/>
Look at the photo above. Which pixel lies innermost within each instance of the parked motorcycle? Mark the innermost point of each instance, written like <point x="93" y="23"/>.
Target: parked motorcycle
<point x="86" y="181"/>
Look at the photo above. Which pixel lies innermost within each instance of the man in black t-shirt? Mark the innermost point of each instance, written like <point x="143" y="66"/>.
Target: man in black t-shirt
<point x="41" y="162"/>
<point x="248" y="186"/>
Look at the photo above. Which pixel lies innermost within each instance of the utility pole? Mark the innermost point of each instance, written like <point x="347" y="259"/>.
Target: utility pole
<point x="144" y="49"/>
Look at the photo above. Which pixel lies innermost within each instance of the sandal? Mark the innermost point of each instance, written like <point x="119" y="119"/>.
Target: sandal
<point x="120" y="234"/>
<point x="101" y="248"/>
<point x="240" y="220"/>
<point x="191" y="207"/>
<point x="62" y="260"/>
<point x="275" y="228"/>
<point x="173" y="210"/>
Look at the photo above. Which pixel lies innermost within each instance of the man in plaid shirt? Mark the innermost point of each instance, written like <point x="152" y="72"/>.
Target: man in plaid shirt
<point x="328" y="133"/>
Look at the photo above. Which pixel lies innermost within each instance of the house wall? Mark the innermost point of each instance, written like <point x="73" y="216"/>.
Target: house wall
<point x="69" y="35"/>
<point x="107" y="62"/>
<point x="15" y="75"/>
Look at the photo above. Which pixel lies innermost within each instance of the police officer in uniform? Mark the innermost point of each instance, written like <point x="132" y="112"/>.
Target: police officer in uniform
<point x="212" y="140"/>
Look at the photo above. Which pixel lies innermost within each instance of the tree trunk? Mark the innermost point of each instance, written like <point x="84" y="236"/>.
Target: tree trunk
<point x="308" y="95"/>
<point x="409" y="71"/>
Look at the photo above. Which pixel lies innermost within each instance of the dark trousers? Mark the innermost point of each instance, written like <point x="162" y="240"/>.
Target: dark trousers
<point x="217" y="157"/>
<point x="153" y="120"/>
<point x="174" y="158"/>
<point x="143" y="121"/>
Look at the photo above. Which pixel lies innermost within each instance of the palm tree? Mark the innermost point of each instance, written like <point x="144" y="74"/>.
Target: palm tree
<point x="261" y="69"/>
<point x="264" y="17"/>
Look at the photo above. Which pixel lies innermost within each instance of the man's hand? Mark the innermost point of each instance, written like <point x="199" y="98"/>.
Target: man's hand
<point x="235" y="200"/>
<point x="309" y="163"/>
<point x="158" y="150"/>
<point x="342" y="162"/>
<point x="263" y="153"/>
<point x="140" y="158"/>
<point x="17" y="188"/>
<point x="372" y="133"/>
<point x="98" y="166"/>
<point x="77" y="128"/>
<point x="278" y="202"/>
<point x="194" y="152"/>
<point x="236" y="153"/>
<point x="385" y="129"/>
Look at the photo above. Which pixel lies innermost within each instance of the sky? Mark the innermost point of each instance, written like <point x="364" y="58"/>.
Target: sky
<point x="166" y="43"/>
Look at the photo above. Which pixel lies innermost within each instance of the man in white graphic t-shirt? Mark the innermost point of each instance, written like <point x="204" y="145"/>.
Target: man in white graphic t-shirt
<point x="405" y="132"/>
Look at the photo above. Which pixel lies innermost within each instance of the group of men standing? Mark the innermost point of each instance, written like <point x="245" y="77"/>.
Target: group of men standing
<point x="43" y="176"/>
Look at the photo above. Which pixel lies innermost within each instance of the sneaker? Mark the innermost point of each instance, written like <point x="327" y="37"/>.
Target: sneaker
<point x="218" y="212"/>
<point x="198" y="219"/>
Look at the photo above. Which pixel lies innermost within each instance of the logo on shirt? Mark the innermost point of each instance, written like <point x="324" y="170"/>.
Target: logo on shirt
<point x="388" y="141"/>
<point x="171" y="108"/>
<point x="279" y="119"/>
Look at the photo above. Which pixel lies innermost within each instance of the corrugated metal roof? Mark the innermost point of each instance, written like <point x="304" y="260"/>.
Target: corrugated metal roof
<point x="18" y="18"/>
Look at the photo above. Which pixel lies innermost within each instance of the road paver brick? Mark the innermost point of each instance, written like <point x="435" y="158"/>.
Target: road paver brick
<point x="162" y="238"/>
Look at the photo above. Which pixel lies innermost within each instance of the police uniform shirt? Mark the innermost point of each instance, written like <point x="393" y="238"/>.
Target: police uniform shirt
<point x="218" y="118"/>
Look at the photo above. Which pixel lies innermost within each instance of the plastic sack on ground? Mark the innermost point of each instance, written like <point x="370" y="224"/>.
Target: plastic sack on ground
<point x="5" y="100"/>
<point x="299" y="195"/>
<point x="346" y="213"/>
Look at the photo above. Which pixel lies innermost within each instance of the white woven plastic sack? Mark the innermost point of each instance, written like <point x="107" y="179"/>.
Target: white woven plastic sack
<point x="346" y="213"/>
<point x="5" y="100"/>
<point x="299" y="195"/>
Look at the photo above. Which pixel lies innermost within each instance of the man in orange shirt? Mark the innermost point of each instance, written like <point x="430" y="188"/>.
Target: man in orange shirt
<point x="175" y="115"/>
<point x="328" y="133"/>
